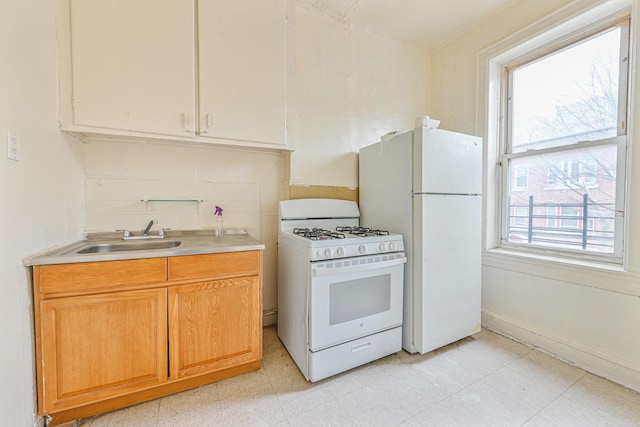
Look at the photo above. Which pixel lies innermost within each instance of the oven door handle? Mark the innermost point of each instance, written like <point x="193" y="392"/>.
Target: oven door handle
<point x="358" y="267"/>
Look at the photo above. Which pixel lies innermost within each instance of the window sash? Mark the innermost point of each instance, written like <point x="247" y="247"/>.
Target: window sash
<point x="588" y="171"/>
<point x="620" y="144"/>
<point x="623" y="24"/>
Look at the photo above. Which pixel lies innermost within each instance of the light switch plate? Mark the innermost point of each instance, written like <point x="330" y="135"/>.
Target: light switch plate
<point x="13" y="146"/>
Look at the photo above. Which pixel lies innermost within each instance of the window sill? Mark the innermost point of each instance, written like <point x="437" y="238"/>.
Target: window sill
<point x="608" y="276"/>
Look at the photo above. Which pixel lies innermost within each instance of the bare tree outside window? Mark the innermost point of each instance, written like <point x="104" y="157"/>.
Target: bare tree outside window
<point x="566" y="122"/>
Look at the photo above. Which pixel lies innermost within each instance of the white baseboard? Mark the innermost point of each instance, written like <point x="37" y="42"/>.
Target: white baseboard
<point x="606" y="366"/>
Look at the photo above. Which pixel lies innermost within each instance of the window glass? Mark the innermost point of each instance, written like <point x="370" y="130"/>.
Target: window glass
<point x="568" y="96"/>
<point x="562" y="187"/>
<point x="566" y="130"/>
<point x="522" y="177"/>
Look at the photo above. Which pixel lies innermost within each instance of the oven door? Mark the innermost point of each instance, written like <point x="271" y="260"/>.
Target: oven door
<point x="354" y="297"/>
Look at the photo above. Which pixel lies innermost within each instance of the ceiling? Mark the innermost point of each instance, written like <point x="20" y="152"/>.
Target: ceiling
<point x="426" y="23"/>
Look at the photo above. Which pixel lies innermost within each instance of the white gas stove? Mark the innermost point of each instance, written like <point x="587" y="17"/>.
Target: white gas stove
<point x="340" y="287"/>
<point x="344" y="241"/>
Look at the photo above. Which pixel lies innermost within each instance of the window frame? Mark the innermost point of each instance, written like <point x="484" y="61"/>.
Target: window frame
<point x="620" y="141"/>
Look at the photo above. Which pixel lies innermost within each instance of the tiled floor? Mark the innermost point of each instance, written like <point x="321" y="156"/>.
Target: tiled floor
<point x="486" y="380"/>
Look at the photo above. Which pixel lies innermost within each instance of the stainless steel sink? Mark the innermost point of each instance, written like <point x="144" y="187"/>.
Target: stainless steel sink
<point x="138" y="245"/>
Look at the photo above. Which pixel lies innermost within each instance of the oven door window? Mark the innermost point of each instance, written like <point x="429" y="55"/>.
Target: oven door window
<point x="346" y="305"/>
<point x="355" y="299"/>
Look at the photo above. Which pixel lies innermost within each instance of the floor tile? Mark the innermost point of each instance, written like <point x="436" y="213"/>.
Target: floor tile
<point x="328" y="414"/>
<point x="478" y="404"/>
<point x="594" y="401"/>
<point x="141" y="415"/>
<point x="278" y="364"/>
<point x="443" y="372"/>
<point x="535" y="379"/>
<point x="483" y="354"/>
<point x="253" y="407"/>
<point x="346" y="382"/>
<point x="484" y="380"/>
<point x="296" y="395"/>
<point x="191" y="408"/>
<point x="240" y="384"/>
<point x="373" y="406"/>
<point x="414" y="391"/>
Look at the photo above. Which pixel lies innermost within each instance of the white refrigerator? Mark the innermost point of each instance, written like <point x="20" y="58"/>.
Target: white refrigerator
<point x="427" y="185"/>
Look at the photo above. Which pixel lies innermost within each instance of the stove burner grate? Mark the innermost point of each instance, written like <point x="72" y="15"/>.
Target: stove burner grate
<point x="362" y="231"/>
<point x="318" y="233"/>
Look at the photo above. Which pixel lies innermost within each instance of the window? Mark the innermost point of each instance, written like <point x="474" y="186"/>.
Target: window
<point x="564" y="145"/>
<point x="577" y="170"/>
<point x="587" y="173"/>
<point x="569" y="217"/>
<point x="522" y="177"/>
<point x="552" y="217"/>
<point x="520" y="216"/>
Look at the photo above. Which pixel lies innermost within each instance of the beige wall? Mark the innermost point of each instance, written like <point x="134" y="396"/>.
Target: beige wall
<point x="352" y="86"/>
<point x="585" y="313"/>
<point x="453" y="67"/>
<point x="41" y="195"/>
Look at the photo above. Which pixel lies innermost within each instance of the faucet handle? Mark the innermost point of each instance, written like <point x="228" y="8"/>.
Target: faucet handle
<point x="163" y="232"/>
<point x="125" y="233"/>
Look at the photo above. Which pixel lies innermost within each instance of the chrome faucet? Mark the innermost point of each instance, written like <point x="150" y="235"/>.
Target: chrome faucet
<point x="145" y="232"/>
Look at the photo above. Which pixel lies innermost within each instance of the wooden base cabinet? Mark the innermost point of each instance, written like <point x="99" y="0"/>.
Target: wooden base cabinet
<point x="212" y="324"/>
<point x="110" y="345"/>
<point x="215" y="324"/>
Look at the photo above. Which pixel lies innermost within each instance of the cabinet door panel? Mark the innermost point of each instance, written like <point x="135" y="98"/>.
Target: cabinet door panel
<point x="100" y="346"/>
<point x="242" y="70"/>
<point x="133" y="65"/>
<point x="214" y="325"/>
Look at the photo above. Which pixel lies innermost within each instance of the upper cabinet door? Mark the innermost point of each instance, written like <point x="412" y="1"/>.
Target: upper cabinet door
<point x="133" y="65"/>
<point x="242" y="70"/>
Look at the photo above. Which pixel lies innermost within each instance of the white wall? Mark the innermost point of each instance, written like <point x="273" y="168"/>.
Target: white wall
<point x="584" y="313"/>
<point x="41" y="195"/>
<point x="352" y="86"/>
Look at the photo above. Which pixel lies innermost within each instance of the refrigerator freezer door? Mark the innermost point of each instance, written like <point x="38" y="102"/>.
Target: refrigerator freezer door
<point x="446" y="162"/>
<point x="446" y="269"/>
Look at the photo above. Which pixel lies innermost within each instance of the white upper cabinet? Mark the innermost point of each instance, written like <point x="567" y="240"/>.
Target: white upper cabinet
<point x="242" y="70"/>
<point x="133" y="65"/>
<point x="212" y="71"/>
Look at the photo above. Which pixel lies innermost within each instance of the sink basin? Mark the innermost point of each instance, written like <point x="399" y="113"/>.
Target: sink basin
<point x="99" y="248"/>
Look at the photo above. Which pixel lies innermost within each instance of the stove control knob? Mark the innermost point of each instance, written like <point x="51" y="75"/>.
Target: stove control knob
<point x="340" y="251"/>
<point x="328" y="252"/>
<point x="382" y="247"/>
<point x="392" y="246"/>
<point x="362" y="249"/>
